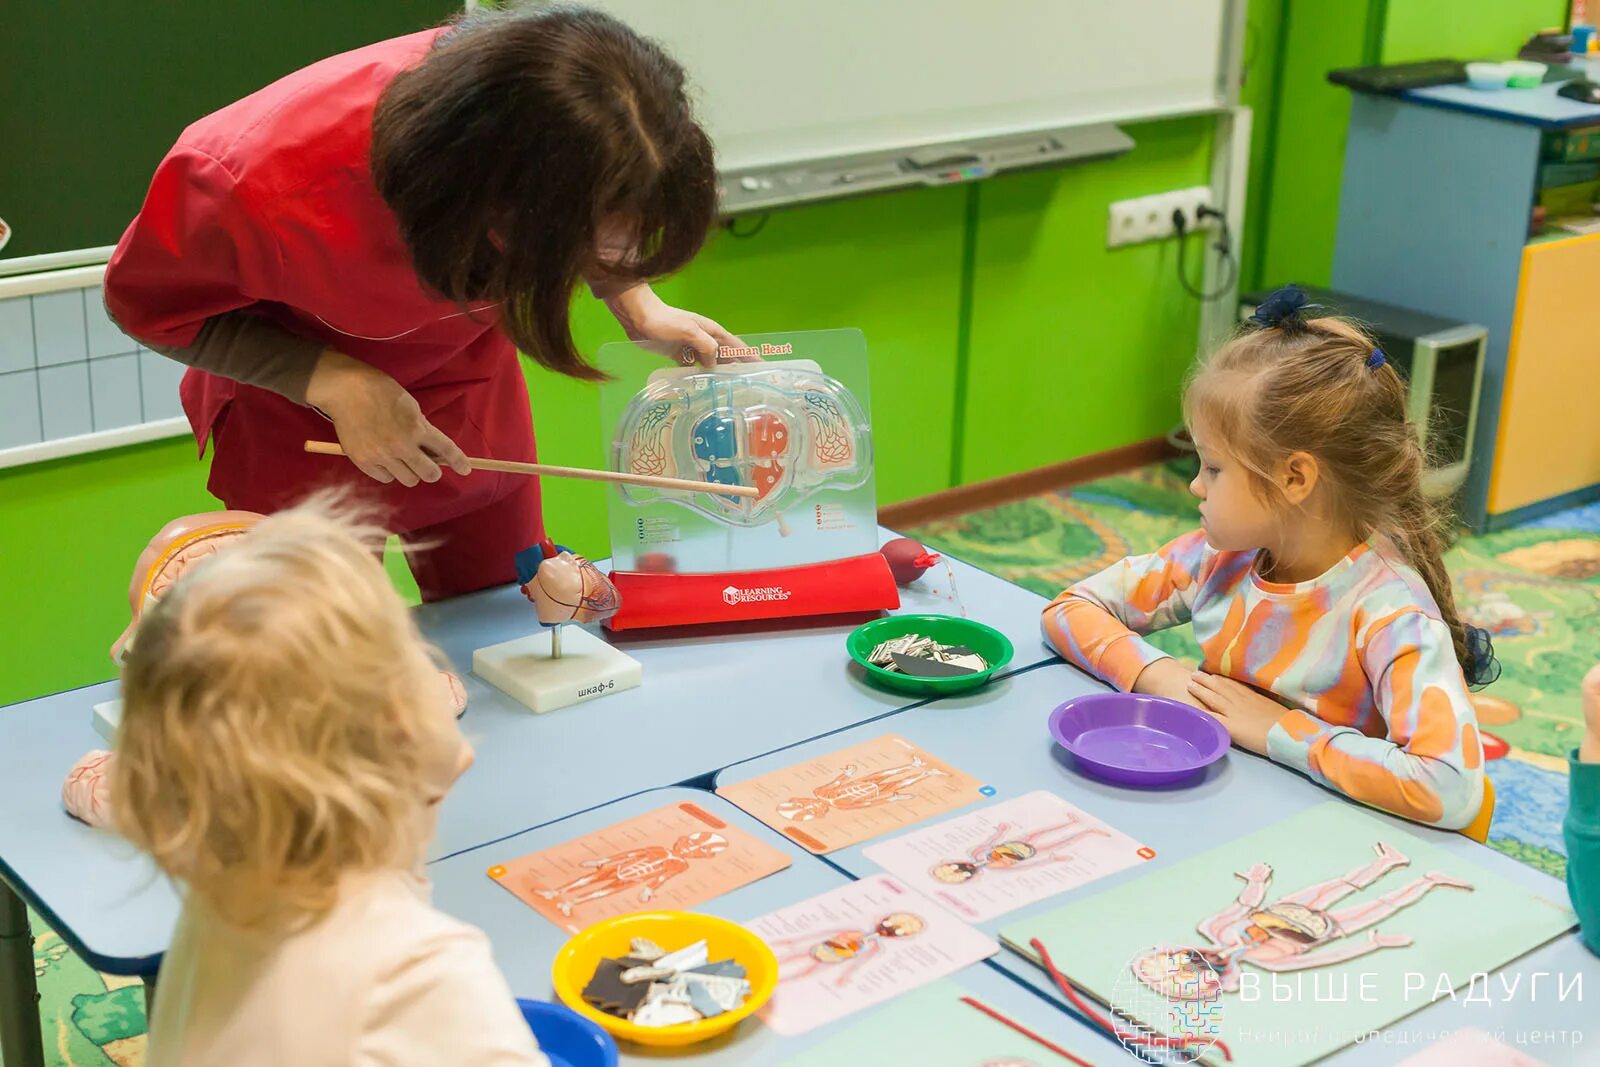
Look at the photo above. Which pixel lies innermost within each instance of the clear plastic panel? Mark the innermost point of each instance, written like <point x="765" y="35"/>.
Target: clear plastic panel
<point x="788" y="414"/>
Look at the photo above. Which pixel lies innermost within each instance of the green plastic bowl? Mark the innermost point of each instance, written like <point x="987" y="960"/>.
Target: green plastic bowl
<point x="986" y="641"/>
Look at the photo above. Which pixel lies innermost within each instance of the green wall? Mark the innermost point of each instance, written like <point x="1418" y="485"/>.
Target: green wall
<point x="1066" y="348"/>
<point x="1076" y="349"/>
<point x="1465" y="29"/>
<point x="1304" y="142"/>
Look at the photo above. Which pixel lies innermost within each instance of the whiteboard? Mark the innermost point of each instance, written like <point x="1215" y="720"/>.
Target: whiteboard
<point x="786" y="82"/>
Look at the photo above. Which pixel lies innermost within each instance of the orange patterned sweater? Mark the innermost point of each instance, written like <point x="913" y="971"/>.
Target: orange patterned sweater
<point x="1376" y="704"/>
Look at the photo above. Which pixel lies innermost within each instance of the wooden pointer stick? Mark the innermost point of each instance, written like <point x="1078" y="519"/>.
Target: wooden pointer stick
<point x="506" y="466"/>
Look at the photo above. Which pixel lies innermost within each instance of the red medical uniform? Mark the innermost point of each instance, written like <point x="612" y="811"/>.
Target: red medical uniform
<point x="269" y="206"/>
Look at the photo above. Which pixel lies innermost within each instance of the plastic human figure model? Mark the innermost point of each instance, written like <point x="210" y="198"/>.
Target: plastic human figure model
<point x="1294" y="933"/>
<point x="1004" y="852"/>
<point x="648" y="868"/>
<point x="848" y="792"/>
<point x="845" y="949"/>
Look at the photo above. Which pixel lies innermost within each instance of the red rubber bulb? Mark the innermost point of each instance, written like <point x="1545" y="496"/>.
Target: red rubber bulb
<point x="907" y="559"/>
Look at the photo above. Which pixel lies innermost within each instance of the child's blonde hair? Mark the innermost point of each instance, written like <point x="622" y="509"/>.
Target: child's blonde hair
<point x="1285" y="384"/>
<point x="277" y="723"/>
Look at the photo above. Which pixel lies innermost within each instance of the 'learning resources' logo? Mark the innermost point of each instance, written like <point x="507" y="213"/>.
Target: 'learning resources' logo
<point x="734" y="595"/>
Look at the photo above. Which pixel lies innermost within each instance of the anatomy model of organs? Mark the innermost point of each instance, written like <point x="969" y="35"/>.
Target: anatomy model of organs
<point x="785" y="428"/>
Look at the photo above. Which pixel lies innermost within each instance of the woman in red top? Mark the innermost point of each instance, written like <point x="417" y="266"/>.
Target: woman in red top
<point x="371" y="239"/>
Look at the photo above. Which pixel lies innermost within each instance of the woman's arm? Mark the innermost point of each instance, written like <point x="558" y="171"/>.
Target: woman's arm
<point x="182" y="281"/>
<point x="246" y="348"/>
<point x="646" y="318"/>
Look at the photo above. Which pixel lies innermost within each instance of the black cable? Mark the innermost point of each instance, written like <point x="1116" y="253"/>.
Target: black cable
<point x="761" y="223"/>
<point x="1224" y="245"/>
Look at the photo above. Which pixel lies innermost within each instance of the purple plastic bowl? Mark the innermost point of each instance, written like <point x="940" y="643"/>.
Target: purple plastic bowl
<point x="1138" y="740"/>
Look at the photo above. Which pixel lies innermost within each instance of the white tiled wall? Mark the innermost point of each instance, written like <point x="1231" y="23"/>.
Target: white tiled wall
<point x="66" y="370"/>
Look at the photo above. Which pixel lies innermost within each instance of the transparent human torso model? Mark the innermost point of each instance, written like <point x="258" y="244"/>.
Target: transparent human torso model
<point x="795" y="432"/>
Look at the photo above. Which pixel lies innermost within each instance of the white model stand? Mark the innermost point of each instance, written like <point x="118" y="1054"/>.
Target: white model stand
<point x="526" y="671"/>
<point x="106" y="717"/>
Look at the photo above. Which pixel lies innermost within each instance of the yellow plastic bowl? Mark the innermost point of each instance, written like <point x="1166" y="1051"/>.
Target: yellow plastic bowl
<point x="576" y="962"/>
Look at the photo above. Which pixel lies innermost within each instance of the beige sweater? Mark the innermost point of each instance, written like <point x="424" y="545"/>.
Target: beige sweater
<point x="383" y="980"/>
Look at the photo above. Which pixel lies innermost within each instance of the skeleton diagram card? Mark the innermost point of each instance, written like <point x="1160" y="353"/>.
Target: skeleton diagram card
<point x="859" y="945"/>
<point x="1000" y="858"/>
<point x="674" y="857"/>
<point x="857" y="793"/>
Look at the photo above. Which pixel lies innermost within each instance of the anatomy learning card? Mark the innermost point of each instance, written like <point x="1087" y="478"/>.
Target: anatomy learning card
<point x="1287" y="943"/>
<point x="674" y="857"/>
<point x="855" y="794"/>
<point x="860" y="945"/>
<point x="987" y="862"/>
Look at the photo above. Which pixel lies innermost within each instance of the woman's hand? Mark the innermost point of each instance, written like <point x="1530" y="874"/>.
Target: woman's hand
<point x="1245" y="713"/>
<point x="673" y="332"/>
<point x="380" y="425"/>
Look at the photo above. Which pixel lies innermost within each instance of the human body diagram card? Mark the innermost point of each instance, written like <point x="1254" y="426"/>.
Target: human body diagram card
<point x="855" y="794"/>
<point x="1276" y="948"/>
<point x="860" y="945"/>
<point x="987" y="862"/>
<point x="675" y="857"/>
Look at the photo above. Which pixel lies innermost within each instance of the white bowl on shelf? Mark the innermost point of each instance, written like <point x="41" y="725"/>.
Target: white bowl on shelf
<point x="1488" y="75"/>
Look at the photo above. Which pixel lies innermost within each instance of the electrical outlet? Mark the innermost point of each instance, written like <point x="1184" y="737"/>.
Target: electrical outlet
<point x="1149" y="218"/>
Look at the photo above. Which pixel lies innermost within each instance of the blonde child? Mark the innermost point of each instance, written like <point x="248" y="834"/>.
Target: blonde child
<point x="1315" y="584"/>
<point x="284" y="741"/>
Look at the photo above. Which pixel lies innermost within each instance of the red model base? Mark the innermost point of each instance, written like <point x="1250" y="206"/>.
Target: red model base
<point x="857" y="584"/>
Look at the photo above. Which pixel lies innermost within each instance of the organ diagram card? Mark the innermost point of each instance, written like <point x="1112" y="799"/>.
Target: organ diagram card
<point x="857" y="946"/>
<point x="855" y="794"/>
<point x="675" y="857"/>
<point x="988" y="862"/>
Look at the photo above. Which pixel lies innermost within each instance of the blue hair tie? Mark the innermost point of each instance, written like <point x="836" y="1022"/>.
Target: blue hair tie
<point x="1481" y="667"/>
<point x="1281" y="310"/>
<point x="1377" y="359"/>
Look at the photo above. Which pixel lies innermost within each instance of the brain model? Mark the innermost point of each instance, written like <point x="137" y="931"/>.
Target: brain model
<point x="785" y="428"/>
<point x="180" y="544"/>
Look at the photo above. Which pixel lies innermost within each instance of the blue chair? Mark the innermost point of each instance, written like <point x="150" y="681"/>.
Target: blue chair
<point x="566" y="1037"/>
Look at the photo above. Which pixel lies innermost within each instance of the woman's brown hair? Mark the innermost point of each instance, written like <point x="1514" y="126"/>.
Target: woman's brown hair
<point x="524" y="131"/>
<point x="1287" y="384"/>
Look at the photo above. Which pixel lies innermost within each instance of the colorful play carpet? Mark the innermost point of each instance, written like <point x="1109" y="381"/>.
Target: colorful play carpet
<point x="1537" y="588"/>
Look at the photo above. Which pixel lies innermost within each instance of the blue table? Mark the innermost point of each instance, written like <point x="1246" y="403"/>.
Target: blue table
<point x="1540" y="106"/>
<point x="1005" y="743"/>
<point x="525" y="943"/>
<point x="705" y="703"/>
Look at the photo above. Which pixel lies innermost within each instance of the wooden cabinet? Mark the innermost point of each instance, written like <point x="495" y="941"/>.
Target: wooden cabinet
<point x="1548" y="446"/>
